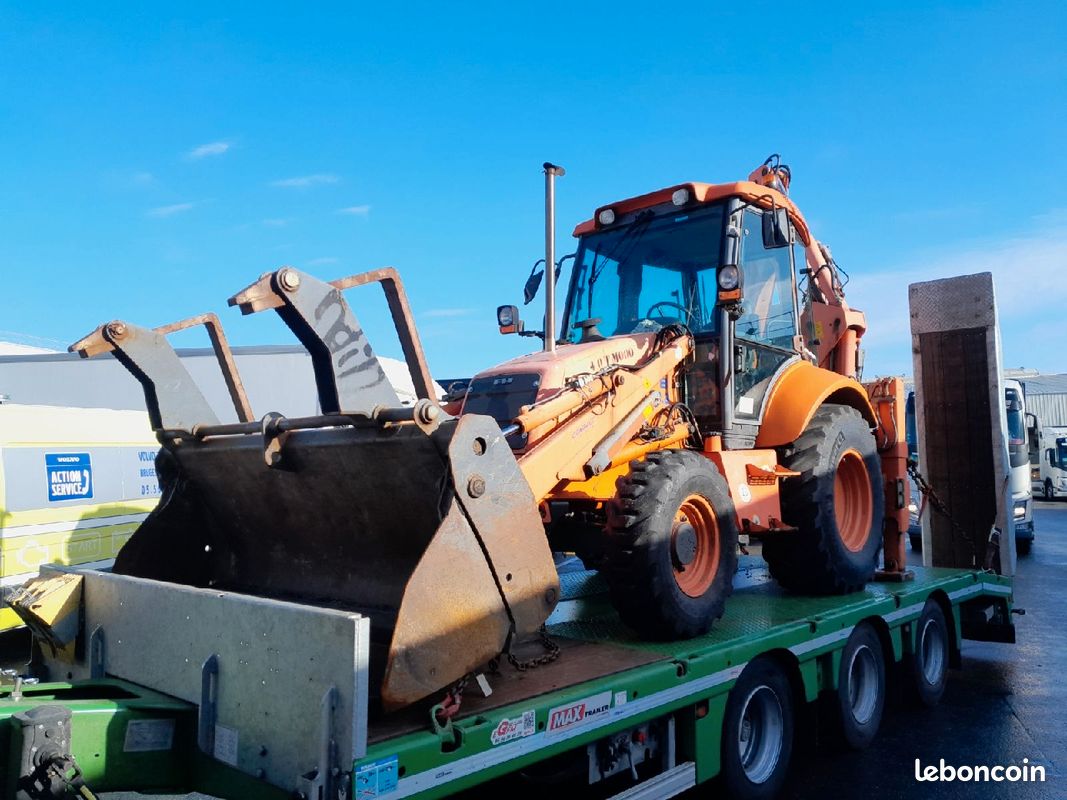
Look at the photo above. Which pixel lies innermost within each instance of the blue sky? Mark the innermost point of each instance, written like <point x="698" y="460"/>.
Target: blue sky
<point x="154" y="164"/>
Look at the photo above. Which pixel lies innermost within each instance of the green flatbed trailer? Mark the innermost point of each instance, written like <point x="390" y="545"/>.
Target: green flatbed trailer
<point x="669" y="701"/>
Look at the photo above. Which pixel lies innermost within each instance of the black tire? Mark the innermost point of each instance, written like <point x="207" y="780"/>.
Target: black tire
<point x="1022" y="546"/>
<point x="861" y="687"/>
<point x="927" y="665"/>
<point x="644" y="569"/>
<point x="1049" y="494"/>
<point x="916" y="543"/>
<point x="816" y="559"/>
<point x="756" y="750"/>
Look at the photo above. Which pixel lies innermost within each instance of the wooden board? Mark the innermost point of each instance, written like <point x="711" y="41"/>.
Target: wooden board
<point x="961" y="421"/>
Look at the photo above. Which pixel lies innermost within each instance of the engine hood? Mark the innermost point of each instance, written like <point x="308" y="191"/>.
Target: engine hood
<point x="570" y="360"/>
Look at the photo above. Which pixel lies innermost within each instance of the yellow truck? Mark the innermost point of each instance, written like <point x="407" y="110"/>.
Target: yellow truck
<point x="74" y="485"/>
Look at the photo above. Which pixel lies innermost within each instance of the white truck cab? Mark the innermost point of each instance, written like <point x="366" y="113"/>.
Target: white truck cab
<point x="1019" y="460"/>
<point x="1052" y="452"/>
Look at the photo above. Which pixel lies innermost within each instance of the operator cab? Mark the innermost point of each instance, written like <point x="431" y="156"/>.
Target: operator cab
<point x="720" y="260"/>
<point x="710" y="268"/>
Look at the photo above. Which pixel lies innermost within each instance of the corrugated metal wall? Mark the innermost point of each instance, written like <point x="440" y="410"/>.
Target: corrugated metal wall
<point x="276" y="378"/>
<point x="1051" y="409"/>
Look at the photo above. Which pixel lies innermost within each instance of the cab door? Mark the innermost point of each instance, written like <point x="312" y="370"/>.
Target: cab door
<point x="765" y="332"/>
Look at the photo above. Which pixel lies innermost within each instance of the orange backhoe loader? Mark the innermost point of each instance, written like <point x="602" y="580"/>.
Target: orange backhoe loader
<point x="693" y="392"/>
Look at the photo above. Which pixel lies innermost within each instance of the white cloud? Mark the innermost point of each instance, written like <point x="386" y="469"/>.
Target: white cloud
<point x="304" y="181"/>
<point x="209" y="149"/>
<point x="447" y="312"/>
<point x="142" y="179"/>
<point x="355" y="211"/>
<point x="1028" y="275"/>
<point x="169" y="211"/>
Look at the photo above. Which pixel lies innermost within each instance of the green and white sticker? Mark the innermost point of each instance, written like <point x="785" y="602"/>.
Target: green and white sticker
<point x="515" y="728"/>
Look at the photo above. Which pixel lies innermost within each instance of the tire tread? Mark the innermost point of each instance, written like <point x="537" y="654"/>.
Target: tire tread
<point x="645" y="599"/>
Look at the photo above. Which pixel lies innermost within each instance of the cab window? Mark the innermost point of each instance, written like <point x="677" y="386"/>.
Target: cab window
<point x="769" y="315"/>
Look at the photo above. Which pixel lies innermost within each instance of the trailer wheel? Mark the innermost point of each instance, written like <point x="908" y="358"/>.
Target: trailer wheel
<point x="837" y="505"/>
<point x="757" y="732"/>
<point x="928" y="664"/>
<point x="861" y="687"/>
<point x="671" y="546"/>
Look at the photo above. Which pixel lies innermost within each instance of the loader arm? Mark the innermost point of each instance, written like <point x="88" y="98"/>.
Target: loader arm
<point x="604" y="421"/>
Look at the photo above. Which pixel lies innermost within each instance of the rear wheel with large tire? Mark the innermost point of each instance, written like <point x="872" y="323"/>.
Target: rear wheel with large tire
<point x="837" y="505"/>
<point x="671" y="547"/>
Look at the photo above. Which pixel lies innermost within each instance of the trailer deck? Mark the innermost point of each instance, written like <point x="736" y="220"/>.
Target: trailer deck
<point x="675" y="676"/>
<point x="605" y="681"/>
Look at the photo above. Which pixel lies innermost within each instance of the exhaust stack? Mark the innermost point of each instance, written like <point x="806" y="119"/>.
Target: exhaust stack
<point x="551" y="172"/>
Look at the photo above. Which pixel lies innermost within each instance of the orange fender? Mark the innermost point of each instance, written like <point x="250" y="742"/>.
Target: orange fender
<point x="797" y="395"/>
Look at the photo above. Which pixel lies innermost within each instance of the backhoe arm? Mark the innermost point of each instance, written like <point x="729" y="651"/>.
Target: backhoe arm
<point x="831" y="329"/>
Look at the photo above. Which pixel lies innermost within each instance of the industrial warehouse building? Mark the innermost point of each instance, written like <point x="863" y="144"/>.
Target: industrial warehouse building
<point x="276" y="378"/>
<point x="1046" y="395"/>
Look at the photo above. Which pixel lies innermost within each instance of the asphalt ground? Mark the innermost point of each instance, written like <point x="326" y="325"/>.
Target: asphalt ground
<point x="1006" y="704"/>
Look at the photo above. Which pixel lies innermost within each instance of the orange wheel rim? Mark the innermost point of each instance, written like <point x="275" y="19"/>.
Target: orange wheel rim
<point x="853" y="501"/>
<point x="695" y="545"/>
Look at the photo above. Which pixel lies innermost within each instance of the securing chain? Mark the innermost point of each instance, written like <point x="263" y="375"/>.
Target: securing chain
<point x="930" y="496"/>
<point x="453" y="699"/>
<point x="441" y="714"/>
<point x="551" y="653"/>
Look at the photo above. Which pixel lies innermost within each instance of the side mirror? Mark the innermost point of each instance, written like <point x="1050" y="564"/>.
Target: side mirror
<point x="533" y="283"/>
<point x="775" y="228"/>
<point x="1031" y="424"/>
<point x="507" y="318"/>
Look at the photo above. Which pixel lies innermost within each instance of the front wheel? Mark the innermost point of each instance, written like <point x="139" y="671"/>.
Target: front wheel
<point x="671" y="548"/>
<point x="1049" y="493"/>
<point x="837" y="505"/>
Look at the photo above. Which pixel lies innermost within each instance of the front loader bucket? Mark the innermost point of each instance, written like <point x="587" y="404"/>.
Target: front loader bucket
<point x="435" y="536"/>
<point x="419" y="520"/>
